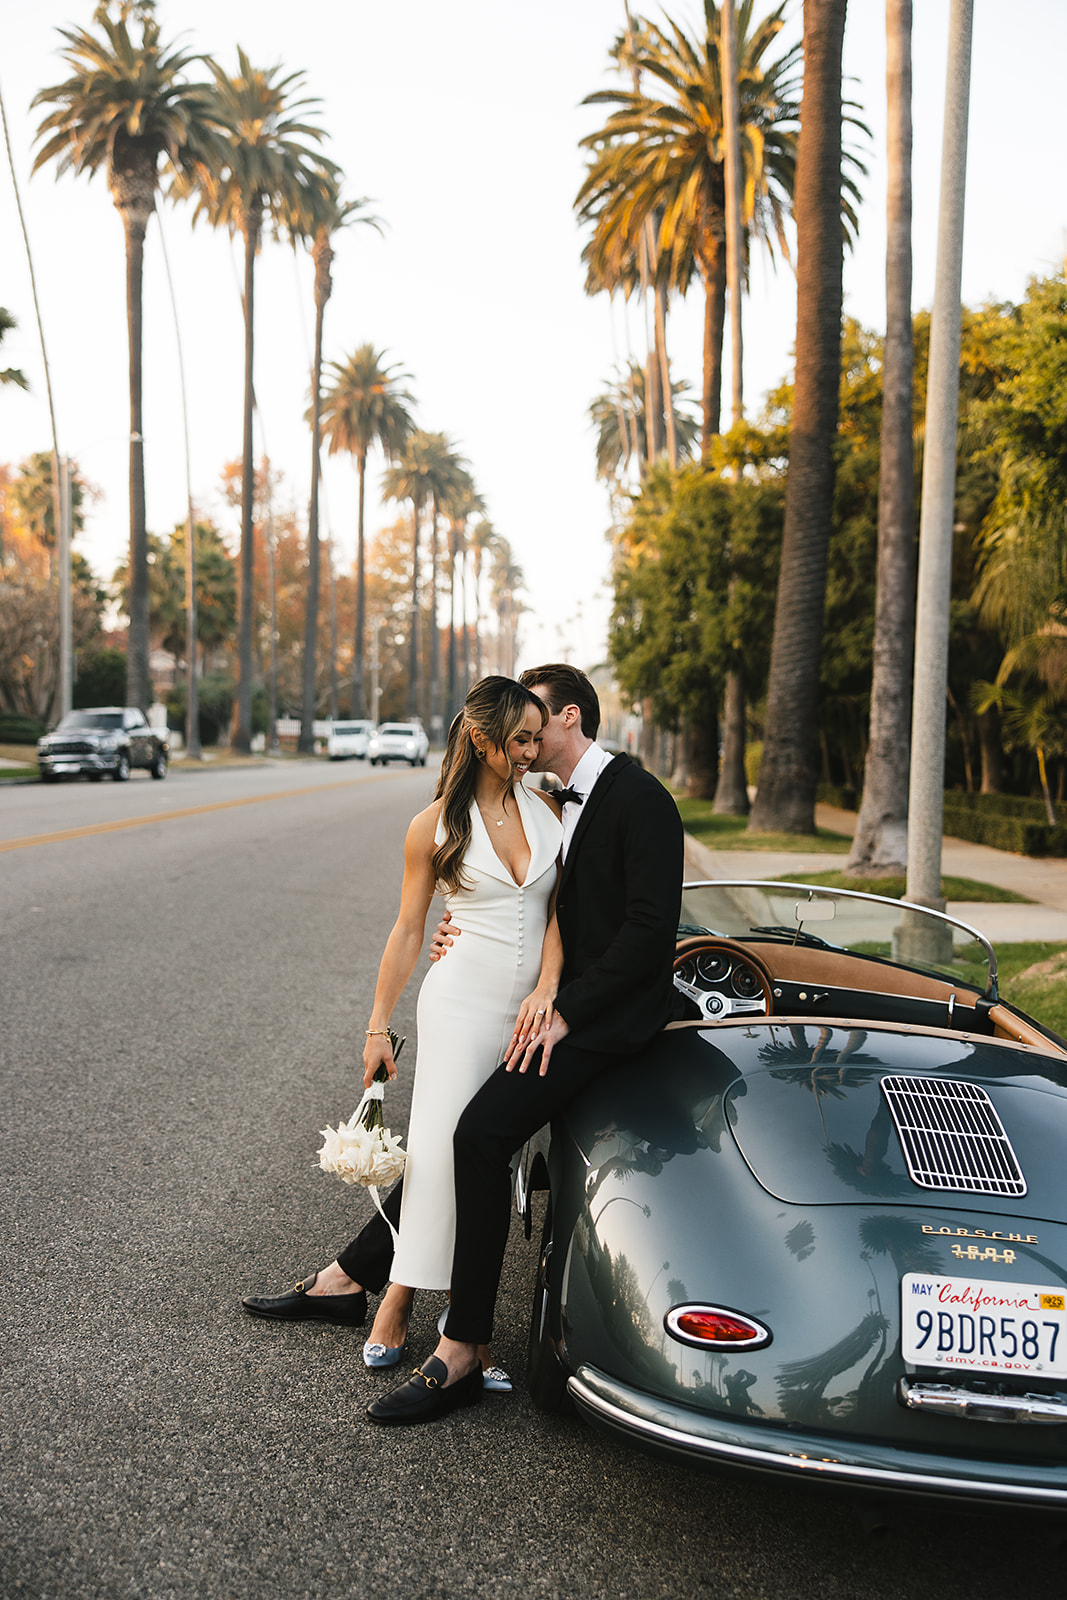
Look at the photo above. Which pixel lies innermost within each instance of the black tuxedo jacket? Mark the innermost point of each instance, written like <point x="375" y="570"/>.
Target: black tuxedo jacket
<point x="618" y="903"/>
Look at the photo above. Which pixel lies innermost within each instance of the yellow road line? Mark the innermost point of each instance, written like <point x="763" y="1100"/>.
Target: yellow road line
<point x="186" y="811"/>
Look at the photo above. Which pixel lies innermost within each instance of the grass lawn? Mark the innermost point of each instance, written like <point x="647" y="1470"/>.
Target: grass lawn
<point x="1034" y="977"/>
<point x="17" y="752"/>
<point x="893" y="888"/>
<point x="731" y="833"/>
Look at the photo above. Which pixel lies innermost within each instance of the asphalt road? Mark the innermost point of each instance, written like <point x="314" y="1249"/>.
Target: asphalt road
<point x="182" y="1003"/>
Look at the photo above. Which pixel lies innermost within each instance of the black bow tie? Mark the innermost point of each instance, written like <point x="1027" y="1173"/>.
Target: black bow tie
<point x="563" y="795"/>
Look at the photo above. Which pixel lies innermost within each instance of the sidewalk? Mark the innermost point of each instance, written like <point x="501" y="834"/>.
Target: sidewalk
<point x="1042" y="881"/>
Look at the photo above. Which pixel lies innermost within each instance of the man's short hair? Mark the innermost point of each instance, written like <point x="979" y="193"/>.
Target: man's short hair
<point x="566" y="686"/>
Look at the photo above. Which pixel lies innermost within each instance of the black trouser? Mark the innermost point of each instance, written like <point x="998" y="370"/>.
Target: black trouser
<point x="507" y="1110"/>
<point x="368" y="1260"/>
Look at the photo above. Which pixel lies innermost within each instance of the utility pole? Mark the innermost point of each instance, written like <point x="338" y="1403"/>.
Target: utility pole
<point x="927" y="787"/>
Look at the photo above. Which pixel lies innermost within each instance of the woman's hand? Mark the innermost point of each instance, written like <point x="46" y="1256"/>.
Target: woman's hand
<point x="377" y="1052"/>
<point x="535" y="1016"/>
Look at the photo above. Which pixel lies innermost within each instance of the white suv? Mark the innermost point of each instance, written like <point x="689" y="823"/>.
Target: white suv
<point x="348" y="739"/>
<point x="398" y="741"/>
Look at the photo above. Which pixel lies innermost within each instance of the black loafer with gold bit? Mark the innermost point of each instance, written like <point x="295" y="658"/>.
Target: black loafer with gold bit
<point x="349" y="1310"/>
<point x="424" y="1397"/>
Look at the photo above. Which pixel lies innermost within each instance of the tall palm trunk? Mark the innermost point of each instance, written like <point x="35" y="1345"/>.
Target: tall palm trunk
<point x="670" y="430"/>
<point x="880" y="846"/>
<point x="358" y="708"/>
<point x="413" y="642"/>
<point x="452" y="668"/>
<point x="713" y="270"/>
<point x="242" y="724"/>
<point x="132" y="182"/>
<point x="786" y="798"/>
<point x="463" y="571"/>
<point x="433" y="675"/>
<point x="323" y="255"/>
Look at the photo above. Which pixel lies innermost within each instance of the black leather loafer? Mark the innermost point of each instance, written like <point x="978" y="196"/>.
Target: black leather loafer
<point x="349" y="1310"/>
<point x="424" y="1397"/>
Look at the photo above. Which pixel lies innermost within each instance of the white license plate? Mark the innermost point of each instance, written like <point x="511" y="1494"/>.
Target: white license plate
<point x="983" y="1326"/>
<point x="66" y="766"/>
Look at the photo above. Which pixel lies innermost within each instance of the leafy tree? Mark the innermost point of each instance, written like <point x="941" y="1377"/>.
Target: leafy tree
<point x="101" y="678"/>
<point x="365" y="406"/>
<point x="126" y="107"/>
<point x="34" y="499"/>
<point x="268" y="168"/>
<point x="677" y="620"/>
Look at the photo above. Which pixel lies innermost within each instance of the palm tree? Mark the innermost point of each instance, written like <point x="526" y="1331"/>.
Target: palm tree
<point x="13" y="375"/>
<point x="427" y="470"/>
<point x="268" y="171"/>
<point x="785" y="801"/>
<point x="662" y="154"/>
<point x="323" y="214"/>
<point x="880" y="847"/>
<point x="506" y="578"/>
<point x="126" y="106"/>
<point x="364" y="406"/>
<point x="481" y="542"/>
<point x="619" y="417"/>
<point x="461" y="505"/>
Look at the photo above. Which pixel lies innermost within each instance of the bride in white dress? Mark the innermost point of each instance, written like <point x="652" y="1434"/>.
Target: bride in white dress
<point x="493" y="847"/>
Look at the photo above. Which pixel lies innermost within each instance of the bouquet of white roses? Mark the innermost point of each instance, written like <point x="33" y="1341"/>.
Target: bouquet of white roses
<point x="362" y="1150"/>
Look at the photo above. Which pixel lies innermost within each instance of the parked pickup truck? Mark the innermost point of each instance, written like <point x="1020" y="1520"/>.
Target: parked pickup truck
<point x="102" y="740"/>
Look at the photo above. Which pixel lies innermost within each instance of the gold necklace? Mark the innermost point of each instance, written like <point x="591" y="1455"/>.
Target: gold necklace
<point x="498" y="820"/>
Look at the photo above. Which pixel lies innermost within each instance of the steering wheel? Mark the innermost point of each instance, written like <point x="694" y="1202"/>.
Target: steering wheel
<point x="723" y="980"/>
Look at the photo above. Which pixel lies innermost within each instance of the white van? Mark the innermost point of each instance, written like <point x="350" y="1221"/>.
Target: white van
<point x="348" y="739"/>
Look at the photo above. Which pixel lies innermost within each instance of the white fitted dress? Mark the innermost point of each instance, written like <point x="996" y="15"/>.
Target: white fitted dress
<point x="466" y="1012"/>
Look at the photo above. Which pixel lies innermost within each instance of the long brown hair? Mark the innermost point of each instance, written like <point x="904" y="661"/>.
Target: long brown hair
<point x="497" y="707"/>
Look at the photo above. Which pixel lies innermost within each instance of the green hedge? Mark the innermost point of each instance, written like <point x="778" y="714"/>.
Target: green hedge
<point x="833" y="794"/>
<point x="997" y="805"/>
<point x="16" y="729"/>
<point x="1015" y="833"/>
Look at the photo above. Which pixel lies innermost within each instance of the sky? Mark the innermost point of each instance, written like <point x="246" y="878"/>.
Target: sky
<point x="461" y="124"/>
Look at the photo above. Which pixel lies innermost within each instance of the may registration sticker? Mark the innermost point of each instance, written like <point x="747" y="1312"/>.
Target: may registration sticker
<point x="984" y="1327"/>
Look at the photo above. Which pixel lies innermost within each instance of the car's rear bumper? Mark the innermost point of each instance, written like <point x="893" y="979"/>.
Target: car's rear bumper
<point x="706" y="1439"/>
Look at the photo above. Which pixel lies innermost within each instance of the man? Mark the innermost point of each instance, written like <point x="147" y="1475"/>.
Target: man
<point x="617" y="907"/>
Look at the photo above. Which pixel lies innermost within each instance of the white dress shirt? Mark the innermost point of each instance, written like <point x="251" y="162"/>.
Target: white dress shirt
<point x="582" y="779"/>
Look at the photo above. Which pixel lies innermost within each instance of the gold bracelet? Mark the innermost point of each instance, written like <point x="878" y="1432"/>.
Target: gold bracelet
<point x="377" y="1033"/>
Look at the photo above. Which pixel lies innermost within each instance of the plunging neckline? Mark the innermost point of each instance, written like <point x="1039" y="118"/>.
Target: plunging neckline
<point x="520" y="883"/>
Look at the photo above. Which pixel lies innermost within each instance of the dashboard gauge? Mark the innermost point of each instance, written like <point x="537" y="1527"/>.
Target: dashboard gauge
<point x="713" y="966"/>
<point x="746" y="984"/>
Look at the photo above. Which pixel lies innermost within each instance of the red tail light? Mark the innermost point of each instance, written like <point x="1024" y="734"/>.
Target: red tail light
<point x="715" y="1326"/>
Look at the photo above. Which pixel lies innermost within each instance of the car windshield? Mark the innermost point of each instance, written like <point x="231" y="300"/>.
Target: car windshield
<point x="349" y="727"/>
<point x="398" y="727"/>
<point x="90" y="719"/>
<point x="841" y="919"/>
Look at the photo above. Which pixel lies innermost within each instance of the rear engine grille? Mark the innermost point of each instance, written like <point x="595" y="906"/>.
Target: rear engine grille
<point x="952" y="1137"/>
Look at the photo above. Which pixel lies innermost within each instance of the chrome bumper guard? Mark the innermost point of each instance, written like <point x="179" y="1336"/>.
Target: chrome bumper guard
<point x="944" y="1400"/>
<point x="717" y="1440"/>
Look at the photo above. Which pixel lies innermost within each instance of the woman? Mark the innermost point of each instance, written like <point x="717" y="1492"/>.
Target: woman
<point x="493" y="847"/>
